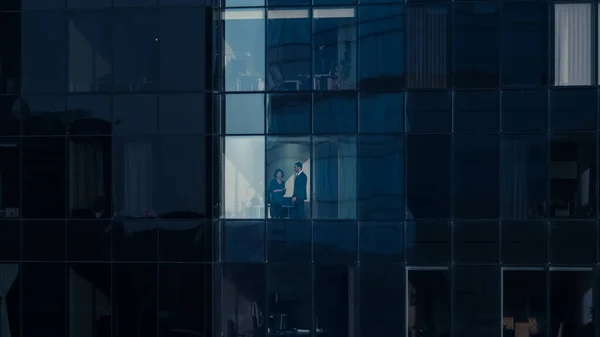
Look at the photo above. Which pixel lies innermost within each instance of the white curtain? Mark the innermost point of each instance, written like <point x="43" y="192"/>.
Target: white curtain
<point x="573" y="44"/>
<point x="8" y="275"/>
<point x="138" y="179"/>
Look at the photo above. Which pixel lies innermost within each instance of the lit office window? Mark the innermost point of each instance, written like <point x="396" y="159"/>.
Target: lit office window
<point x="572" y="44"/>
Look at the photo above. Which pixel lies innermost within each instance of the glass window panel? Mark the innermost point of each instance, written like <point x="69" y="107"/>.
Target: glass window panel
<point x="245" y="114"/>
<point x="476" y="111"/>
<point x="282" y="154"/>
<point x="428" y="302"/>
<point x="243" y="241"/>
<point x="11" y="115"/>
<point x="524" y="43"/>
<point x="334" y="177"/>
<point x="43" y="307"/>
<point x="381" y="186"/>
<point x="288" y="113"/>
<point x="573" y="110"/>
<point x="572" y="242"/>
<point x="524" y="242"/>
<point x="427" y="48"/>
<point x="135" y="45"/>
<point x="477" y="301"/>
<point x="524" y="176"/>
<point x="476" y="176"/>
<point x="427" y="242"/>
<point x="381" y="242"/>
<point x="89" y="3"/>
<point x="10" y="52"/>
<point x="185" y="240"/>
<point x="243" y="3"/>
<point x="573" y="170"/>
<point x="428" y="177"/>
<point x="43" y="240"/>
<point x="89" y="114"/>
<point x="39" y="4"/>
<point x="286" y="2"/>
<point x="10" y="243"/>
<point x="524" y="302"/>
<point x="90" y="51"/>
<point x="135" y="114"/>
<point x="134" y="3"/>
<point x="429" y="111"/>
<point x="244" y="177"/>
<point x="476" y="241"/>
<point x="381" y="46"/>
<point x="289" y="241"/>
<point x="44" y="172"/>
<point x="183" y="48"/>
<point x="41" y="115"/>
<point x="10" y="177"/>
<point x="335" y="296"/>
<point x="135" y="240"/>
<point x="381" y="112"/>
<point x="475" y="40"/>
<point x="573" y="44"/>
<point x="135" y="298"/>
<point x="335" y="242"/>
<point x="288" y="49"/>
<point x="89" y="291"/>
<point x="335" y="113"/>
<point x="182" y="113"/>
<point x="572" y="302"/>
<point x="244" y="49"/>
<point x="290" y="298"/>
<point x="524" y="110"/>
<point x="89" y="240"/>
<point x="333" y="2"/>
<point x="242" y="298"/>
<point x="381" y="290"/>
<point x="334" y="47"/>
<point x="43" y="33"/>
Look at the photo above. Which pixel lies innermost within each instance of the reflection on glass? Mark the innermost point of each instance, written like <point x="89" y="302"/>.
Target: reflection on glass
<point x="11" y="300"/>
<point x="334" y="177"/>
<point x="335" y="242"/>
<point x="244" y="177"/>
<point x="334" y="48"/>
<point x="244" y="114"/>
<point x="185" y="241"/>
<point x="335" y="112"/>
<point x="10" y="178"/>
<point x="428" y="302"/>
<point x="524" y="303"/>
<point x="381" y="241"/>
<point x="243" y="293"/>
<point x="243" y="55"/>
<point x="89" y="297"/>
<point x="289" y="295"/>
<point x="135" y="115"/>
<point x="89" y="114"/>
<point x="381" y="112"/>
<point x="243" y="241"/>
<point x="573" y="175"/>
<point x="572" y="303"/>
<point x="336" y="292"/>
<point x="89" y="240"/>
<point x="288" y="49"/>
<point x="289" y="241"/>
<point x="573" y="44"/>
<point x="288" y="113"/>
<point x="282" y="155"/>
<point x="182" y="114"/>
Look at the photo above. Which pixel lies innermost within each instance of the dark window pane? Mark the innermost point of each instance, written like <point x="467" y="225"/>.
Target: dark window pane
<point x="573" y="242"/>
<point x="381" y="112"/>
<point x="135" y="240"/>
<point x="40" y="4"/>
<point x="573" y="170"/>
<point x="429" y="111"/>
<point x="524" y="43"/>
<point x="334" y="47"/>
<point x="427" y="48"/>
<point x="573" y="109"/>
<point x="185" y="240"/>
<point x="89" y="115"/>
<point x="43" y="33"/>
<point x="289" y="241"/>
<point x="10" y="50"/>
<point x="381" y="290"/>
<point x="288" y="113"/>
<point x="133" y="3"/>
<point x="475" y="45"/>
<point x="335" y="242"/>
<point x="242" y="285"/>
<point x="243" y="241"/>
<point x="524" y="110"/>
<point x="89" y="240"/>
<point x="335" y="113"/>
<point x="569" y="316"/>
<point x="10" y="240"/>
<point x="285" y="2"/>
<point x="44" y="173"/>
<point x="290" y="297"/>
<point x="381" y="46"/>
<point x="524" y="300"/>
<point x="476" y="111"/>
<point x="41" y="115"/>
<point x="428" y="305"/>
<point x="10" y="177"/>
<point x="182" y="49"/>
<point x="428" y="177"/>
<point x="89" y="298"/>
<point x="135" y="39"/>
<point x="334" y="177"/>
<point x="335" y="302"/>
<point x="243" y="3"/>
<point x="427" y="242"/>
<point x="524" y="242"/>
<point x="244" y="114"/>
<point x="476" y="241"/>
<point x="43" y="240"/>
<point x="477" y="306"/>
<point x="135" y="115"/>
<point x="10" y="115"/>
<point x="524" y="176"/>
<point x="288" y="49"/>
<point x="89" y="3"/>
<point x="476" y="161"/>
<point x="381" y="242"/>
<point x="90" y="51"/>
<point x="381" y="184"/>
<point x="135" y="302"/>
<point x="43" y="307"/>
<point x="182" y="113"/>
<point x="333" y="2"/>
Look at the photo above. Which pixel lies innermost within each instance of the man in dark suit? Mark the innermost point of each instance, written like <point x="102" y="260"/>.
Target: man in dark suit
<point x="300" y="181"/>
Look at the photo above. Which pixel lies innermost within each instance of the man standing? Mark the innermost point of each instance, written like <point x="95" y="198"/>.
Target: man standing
<point x="300" y="181"/>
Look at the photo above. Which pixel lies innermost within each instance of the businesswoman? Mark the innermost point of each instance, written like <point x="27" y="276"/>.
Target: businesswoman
<point x="276" y="193"/>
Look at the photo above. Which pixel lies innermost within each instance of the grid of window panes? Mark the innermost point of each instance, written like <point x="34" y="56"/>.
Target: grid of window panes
<point x="451" y="150"/>
<point x="103" y="230"/>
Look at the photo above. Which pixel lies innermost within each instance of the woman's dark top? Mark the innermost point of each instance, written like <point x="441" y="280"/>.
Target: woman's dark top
<point x="276" y="197"/>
